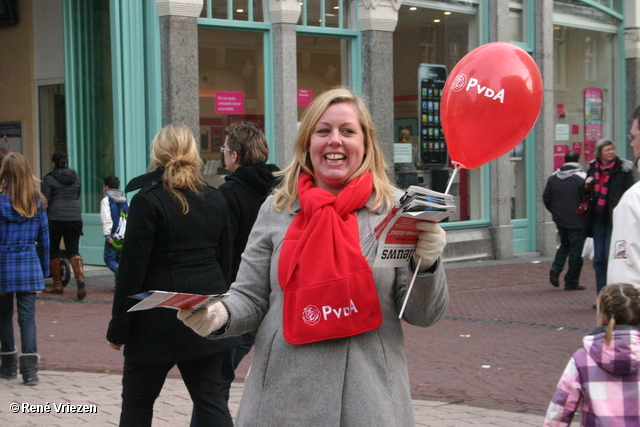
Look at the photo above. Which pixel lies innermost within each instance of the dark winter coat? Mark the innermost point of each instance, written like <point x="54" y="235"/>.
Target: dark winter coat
<point x="563" y="193"/>
<point x="61" y="187"/>
<point x="166" y="250"/>
<point x="24" y="249"/>
<point x="620" y="180"/>
<point x="246" y="189"/>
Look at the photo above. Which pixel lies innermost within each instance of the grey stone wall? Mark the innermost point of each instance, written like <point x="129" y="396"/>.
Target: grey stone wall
<point x="179" y="50"/>
<point x="377" y="85"/>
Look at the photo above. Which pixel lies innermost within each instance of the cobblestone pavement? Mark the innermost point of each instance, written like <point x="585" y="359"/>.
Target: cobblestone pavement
<point x="493" y="360"/>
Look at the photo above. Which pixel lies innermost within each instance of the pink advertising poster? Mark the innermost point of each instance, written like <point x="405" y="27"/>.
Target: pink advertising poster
<point x="592" y="120"/>
<point x="229" y="102"/>
<point x="558" y="155"/>
<point x="305" y="96"/>
<point x="577" y="147"/>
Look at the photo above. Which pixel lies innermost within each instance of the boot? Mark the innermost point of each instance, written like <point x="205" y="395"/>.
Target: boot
<point x="78" y="272"/>
<point x="29" y="367"/>
<point x="56" y="275"/>
<point x="9" y="367"/>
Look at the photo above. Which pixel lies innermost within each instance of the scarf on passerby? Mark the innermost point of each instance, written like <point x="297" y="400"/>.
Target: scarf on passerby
<point x="328" y="284"/>
<point x="601" y="187"/>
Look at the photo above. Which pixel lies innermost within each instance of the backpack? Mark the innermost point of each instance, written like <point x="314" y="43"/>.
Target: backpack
<point x="118" y="235"/>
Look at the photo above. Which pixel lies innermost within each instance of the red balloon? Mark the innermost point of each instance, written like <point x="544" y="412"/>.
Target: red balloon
<point x="490" y="102"/>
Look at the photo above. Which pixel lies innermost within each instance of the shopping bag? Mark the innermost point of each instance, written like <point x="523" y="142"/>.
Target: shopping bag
<point x="587" y="249"/>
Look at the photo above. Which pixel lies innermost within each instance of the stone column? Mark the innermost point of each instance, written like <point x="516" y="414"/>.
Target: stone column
<point x="284" y="16"/>
<point x="502" y="177"/>
<point x="632" y="54"/>
<point x="179" y="51"/>
<point x="378" y="20"/>
<point x="546" y="240"/>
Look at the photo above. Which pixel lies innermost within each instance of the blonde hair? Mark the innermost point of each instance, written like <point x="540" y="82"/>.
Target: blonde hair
<point x="17" y="180"/>
<point x="248" y="140"/>
<point x="620" y="304"/>
<point x="373" y="161"/>
<point x="174" y="148"/>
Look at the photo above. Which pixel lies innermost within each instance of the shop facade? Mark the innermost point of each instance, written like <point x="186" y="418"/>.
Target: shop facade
<point x="99" y="79"/>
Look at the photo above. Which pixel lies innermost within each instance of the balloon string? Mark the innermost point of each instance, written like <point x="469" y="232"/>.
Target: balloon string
<point x="453" y="175"/>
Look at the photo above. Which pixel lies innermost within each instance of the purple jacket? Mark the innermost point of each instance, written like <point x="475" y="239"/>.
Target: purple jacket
<point x="604" y="378"/>
<point x="24" y="249"/>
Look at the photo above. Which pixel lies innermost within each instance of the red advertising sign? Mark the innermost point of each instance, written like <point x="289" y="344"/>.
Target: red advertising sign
<point x="305" y="96"/>
<point x="229" y="103"/>
<point x="577" y="147"/>
<point x="558" y="155"/>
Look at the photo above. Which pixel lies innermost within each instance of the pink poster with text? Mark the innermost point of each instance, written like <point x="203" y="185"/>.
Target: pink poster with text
<point x="229" y="102"/>
<point x="592" y="120"/>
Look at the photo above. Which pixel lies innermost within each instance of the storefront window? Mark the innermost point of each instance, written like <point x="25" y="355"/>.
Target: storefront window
<point x="321" y="65"/>
<point x="327" y="13"/>
<point x="237" y="10"/>
<point x="231" y="80"/>
<point x="584" y="98"/>
<point x="53" y="127"/>
<point x="517" y="21"/>
<point x="439" y="38"/>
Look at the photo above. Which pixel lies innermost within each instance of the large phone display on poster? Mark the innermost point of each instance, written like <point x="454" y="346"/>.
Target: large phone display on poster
<point x="431" y="79"/>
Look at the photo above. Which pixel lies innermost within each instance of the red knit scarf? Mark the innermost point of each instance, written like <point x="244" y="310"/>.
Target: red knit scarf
<point x="328" y="285"/>
<point x="601" y="187"/>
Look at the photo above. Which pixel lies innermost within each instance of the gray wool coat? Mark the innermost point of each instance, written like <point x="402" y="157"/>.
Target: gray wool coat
<point x="356" y="381"/>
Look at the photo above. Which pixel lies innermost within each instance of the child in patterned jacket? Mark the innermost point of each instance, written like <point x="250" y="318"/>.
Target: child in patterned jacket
<point x="603" y="375"/>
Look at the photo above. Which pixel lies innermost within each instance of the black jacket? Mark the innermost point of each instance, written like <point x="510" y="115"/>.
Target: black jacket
<point x="61" y="187"/>
<point x="620" y="180"/>
<point x="166" y="250"/>
<point x="245" y="190"/>
<point x="563" y="193"/>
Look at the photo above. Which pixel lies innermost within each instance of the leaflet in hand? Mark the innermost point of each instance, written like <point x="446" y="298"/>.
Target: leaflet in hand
<point x="177" y="300"/>
<point x="393" y="241"/>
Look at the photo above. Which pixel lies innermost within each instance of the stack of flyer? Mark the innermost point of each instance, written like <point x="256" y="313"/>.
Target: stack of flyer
<point x="393" y="242"/>
<point x="177" y="300"/>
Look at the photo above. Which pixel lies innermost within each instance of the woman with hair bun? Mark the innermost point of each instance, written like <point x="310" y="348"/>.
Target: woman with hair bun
<point x="61" y="187"/>
<point x="177" y="239"/>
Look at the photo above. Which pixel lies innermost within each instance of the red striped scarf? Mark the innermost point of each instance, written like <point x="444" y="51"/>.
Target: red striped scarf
<point x="601" y="187"/>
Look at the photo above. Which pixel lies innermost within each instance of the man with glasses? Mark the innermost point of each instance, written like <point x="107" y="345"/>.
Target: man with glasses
<point x="624" y="254"/>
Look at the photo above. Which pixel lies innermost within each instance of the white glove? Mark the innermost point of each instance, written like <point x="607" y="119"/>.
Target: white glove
<point x="206" y="320"/>
<point x="431" y="243"/>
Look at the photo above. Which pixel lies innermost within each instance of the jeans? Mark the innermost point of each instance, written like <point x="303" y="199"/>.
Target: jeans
<point x="601" y="240"/>
<point x="142" y="383"/>
<point x="26" y="321"/>
<point x="571" y="243"/>
<point x="111" y="258"/>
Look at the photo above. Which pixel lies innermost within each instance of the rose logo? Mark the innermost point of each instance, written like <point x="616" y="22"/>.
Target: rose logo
<point x="459" y="82"/>
<point x="311" y="315"/>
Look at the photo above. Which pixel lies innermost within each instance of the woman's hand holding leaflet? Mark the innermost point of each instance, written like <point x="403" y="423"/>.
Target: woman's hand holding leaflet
<point x="431" y="243"/>
<point x="206" y="320"/>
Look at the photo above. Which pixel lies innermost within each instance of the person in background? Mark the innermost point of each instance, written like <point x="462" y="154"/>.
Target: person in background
<point x="61" y="187"/>
<point x="24" y="263"/>
<point x="113" y="201"/>
<point x="624" y="254"/>
<point x="245" y="152"/>
<point x="603" y="374"/>
<point x="607" y="179"/>
<point x="303" y="264"/>
<point x="177" y="239"/>
<point x="406" y="174"/>
<point x="562" y="195"/>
